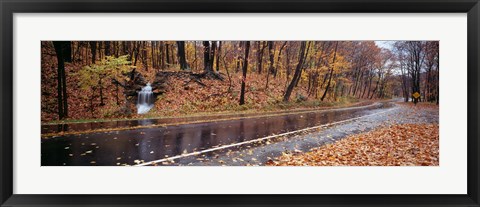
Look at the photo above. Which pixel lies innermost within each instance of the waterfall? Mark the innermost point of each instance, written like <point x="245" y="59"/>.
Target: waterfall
<point x="145" y="99"/>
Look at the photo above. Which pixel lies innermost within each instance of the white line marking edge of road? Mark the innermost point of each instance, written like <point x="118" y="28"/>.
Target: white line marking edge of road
<point x="257" y="140"/>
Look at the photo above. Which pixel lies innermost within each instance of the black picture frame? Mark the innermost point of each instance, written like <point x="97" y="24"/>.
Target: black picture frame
<point x="9" y="7"/>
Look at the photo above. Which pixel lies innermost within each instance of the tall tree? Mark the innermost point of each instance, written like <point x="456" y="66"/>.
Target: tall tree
<point x="167" y="54"/>
<point x="206" y="57"/>
<point x="430" y="63"/>
<point x="67" y="51"/>
<point x="107" y="48"/>
<point x="162" y="55"/>
<point x="244" y="70"/>
<point x="218" y="55"/>
<point x="271" y="54"/>
<point x="212" y="53"/>
<point x="61" y="78"/>
<point x="181" y="55"/>
<point x="136" y="48"/>
<point x="416" y="57"/>
<point x="99" y="50"/>
<point x="404" y="76"/>
<point x="332" y="68"/>
<point x="298" y="71"/>
<point x="144" y="55"/>
<point x="260" y="49"/>
<point x="125" y="49"/>
<point x="194" y="55"/>
<point x="238" y="57"/>
<point x="93" y="49"/>
<point x="116" y="48"/>
<point x="278" y="58"/>
<point x="153" y="51"/>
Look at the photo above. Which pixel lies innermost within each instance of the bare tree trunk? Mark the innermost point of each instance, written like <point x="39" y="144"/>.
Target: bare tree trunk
<point x="116" y="48"/>
<point x="167" y="54"/>
<point x="244" y="70"/>
<point x="93" y="49"/>
<point x="206" y="57"/>
<point x="298" y="72"/>
<point x="238" y="58"/>
<point x="99" y="48"/>
<point x="195" y="55"/>
<point x="107" y="48"/>
<point x="153" y="50"/>
<point x="212" y="54"/>
<point x="162" y="55"/>
<point x="138" y="45"/>
<point x="144" y="55"/>
<point x="331" y="72"/>
<point x="260" y="50"/>
<point x="271" y="54"/>
<point x="218" y="55"/>
<point x="278" y="59"/>
<point x="181" y="55"/>
<point x="125" y="49"/>
<point x="60" y="67"/>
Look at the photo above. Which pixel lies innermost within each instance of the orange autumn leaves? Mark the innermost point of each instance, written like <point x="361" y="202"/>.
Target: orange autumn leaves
<point x="396" y="145"/>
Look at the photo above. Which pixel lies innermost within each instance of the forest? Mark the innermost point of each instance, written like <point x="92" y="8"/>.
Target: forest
<point x="95" y="80"/>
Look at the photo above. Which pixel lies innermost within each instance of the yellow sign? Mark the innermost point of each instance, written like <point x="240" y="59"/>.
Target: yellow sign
<point x="416" y="95"/>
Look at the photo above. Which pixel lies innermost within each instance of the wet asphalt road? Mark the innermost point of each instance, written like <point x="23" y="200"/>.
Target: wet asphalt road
<point x="78" y="127"/>
<point x="128" y="147"/>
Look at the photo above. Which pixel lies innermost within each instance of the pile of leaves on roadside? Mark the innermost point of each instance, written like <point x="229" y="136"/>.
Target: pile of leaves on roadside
<point x="395" y="145"/>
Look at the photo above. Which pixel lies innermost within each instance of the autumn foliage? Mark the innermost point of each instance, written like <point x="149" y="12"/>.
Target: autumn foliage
<point x="396" y="145"/>
<point x="95" y="79"/>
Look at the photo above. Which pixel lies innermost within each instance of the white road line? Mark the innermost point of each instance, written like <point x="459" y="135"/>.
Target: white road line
<point x="257" y="140"/>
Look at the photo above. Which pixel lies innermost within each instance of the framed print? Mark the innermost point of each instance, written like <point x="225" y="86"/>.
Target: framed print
<point x="200" y="103"/>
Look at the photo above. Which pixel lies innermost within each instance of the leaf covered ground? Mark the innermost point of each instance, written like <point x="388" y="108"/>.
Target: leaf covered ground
<point x="395" y="145"/>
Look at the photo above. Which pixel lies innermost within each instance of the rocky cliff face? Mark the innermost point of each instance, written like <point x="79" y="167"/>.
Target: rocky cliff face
<point x="159" y="85"/>
<point x="134" y="84"/>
